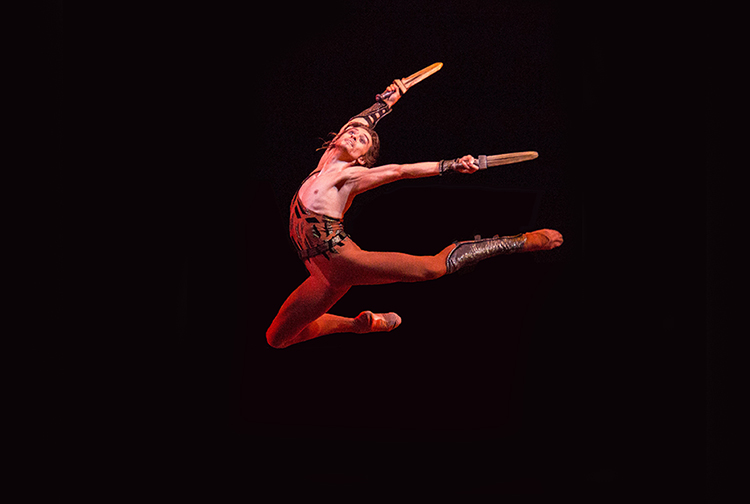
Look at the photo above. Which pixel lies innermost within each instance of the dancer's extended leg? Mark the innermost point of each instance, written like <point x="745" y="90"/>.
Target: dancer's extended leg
<point x="354" y="266"/>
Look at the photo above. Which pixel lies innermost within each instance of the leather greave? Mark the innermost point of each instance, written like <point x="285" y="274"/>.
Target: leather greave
<point x="471" y="252"/>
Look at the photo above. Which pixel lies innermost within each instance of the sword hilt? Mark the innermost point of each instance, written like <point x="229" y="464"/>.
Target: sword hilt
<point x="481" y="162"/>
<point x="381" y="97"/>
<point x="401" y="87"/>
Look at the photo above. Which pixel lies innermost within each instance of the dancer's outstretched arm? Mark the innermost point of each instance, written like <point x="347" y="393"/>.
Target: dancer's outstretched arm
<point x="366" y="179"/>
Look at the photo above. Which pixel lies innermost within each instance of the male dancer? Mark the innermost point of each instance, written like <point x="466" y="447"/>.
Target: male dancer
<point x="336" y="263"/>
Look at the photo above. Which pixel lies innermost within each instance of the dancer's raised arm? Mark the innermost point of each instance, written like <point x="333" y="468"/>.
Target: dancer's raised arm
<point x="370" y="117"/>
<point x="391" y="95"/>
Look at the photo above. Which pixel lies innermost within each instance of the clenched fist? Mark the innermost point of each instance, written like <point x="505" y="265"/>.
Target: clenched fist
<point x="464" y="164"/>
<point x="394" y="97"/>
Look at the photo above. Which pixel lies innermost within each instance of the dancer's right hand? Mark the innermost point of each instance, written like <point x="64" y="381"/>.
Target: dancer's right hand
<point x="465" y="165"/>
<point x="396" y="96"/>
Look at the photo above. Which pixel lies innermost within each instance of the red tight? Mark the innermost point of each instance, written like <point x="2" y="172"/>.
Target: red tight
<point x="304" y="316"/>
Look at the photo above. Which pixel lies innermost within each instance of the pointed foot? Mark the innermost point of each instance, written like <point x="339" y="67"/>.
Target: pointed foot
<point x="542" y="239"/>
<point x="368" y="322"/>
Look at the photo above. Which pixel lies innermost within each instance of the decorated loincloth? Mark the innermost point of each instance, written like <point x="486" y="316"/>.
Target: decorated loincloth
<point x="313" y="233"/>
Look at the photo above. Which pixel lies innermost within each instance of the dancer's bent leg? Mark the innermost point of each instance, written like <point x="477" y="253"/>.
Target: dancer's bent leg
<point x="303" y="315"/>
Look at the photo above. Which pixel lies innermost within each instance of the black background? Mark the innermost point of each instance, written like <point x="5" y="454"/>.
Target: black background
<point x="579" y="371"/>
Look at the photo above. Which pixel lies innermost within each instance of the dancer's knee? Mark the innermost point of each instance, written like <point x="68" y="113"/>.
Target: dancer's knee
<point x="278" y="338"/>
<point x="432" y="269"/>
<point x="436" y="267"/>
<point x="273" y="339"/>
<point x="435" y="271"/>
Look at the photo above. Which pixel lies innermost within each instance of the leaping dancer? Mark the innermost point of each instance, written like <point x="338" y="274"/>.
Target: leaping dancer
<point x="336" y="263"/>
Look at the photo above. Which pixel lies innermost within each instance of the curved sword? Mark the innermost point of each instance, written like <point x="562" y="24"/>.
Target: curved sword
<point x="484" y="162"/>
<point x="407" y="82"/>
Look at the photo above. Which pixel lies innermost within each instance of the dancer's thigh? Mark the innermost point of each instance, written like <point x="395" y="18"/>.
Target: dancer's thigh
<point x="354" y="266"/>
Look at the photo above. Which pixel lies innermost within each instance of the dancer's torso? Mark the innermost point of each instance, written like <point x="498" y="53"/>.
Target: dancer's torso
<point x="316" y="223"/>
<point x="327" y="193"/>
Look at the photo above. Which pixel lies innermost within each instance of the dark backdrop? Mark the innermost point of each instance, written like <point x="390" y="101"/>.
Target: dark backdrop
<point x="576" y="372"/>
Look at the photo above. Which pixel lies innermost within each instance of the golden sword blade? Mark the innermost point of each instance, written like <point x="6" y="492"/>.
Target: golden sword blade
<point x="502" y="159"/>
<point x="407" y="82"/>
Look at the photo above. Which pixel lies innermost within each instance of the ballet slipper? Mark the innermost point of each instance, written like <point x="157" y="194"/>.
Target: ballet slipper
<point x="368" y="321"/>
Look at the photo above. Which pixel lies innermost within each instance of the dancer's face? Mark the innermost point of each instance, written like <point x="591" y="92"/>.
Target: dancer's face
<point x="355" y="141"/>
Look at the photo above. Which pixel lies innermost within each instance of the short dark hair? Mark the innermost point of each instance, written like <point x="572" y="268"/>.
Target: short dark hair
<point x="372" y="154"/>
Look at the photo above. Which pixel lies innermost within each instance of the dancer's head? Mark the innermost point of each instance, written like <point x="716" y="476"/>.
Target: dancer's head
<point x="360" y="142"/>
